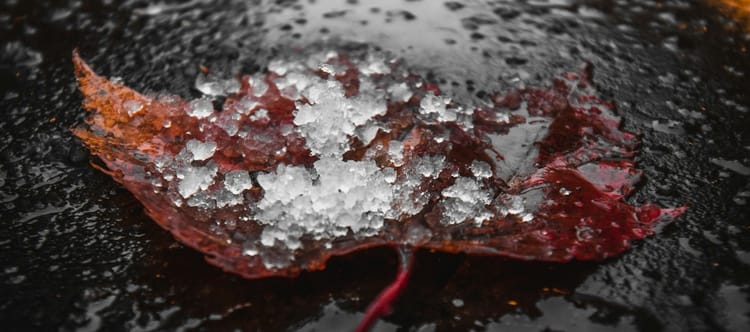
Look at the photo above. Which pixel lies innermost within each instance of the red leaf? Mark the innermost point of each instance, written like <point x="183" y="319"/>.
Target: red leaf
<point x="329" y="154"/>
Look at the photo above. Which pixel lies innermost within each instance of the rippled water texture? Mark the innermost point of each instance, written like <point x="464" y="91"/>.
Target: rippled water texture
<point x="78" y="253"/>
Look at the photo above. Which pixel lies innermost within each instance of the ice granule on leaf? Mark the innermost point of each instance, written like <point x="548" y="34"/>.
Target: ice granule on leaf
<point x="230" y="124"/>
<point x="200" y="150"/>
<point x="516" y="205"/>
<point x="280" y="66"/>
<point x="215" y="199"/>
<point x="400" y="92"/>
<point x="247" y="105"/>
<point x="237" y="181"/>
<point x="225" y="197"/>
<point x="481" y="169"/>
<point x="261" y="114"/>
<point x="293" y="84"/>
<point x="200" y="108"/>
<point x="193" y="179"/>
<point x="466" y="199"/>
<point x="374" y="64"/>
<point x="202" y="199"/>
<point x="430" y="166"/>
<point x="396" y="152"/>
<point x="132" y="107"/>
<point x="434" y="108"/>
<point x="408" y="199"/>
<point x="258" y="85"/>
<point x="332" y="69"/>
<point x="367" y="132"/>
<point x="212" y="86"/>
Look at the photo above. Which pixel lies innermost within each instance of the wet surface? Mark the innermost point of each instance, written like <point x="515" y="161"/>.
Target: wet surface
<point x="77" y="252"/>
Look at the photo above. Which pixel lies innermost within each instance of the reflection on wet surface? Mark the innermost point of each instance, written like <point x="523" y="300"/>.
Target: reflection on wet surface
<point x="738" y="9"/>
<point x="77" y="252"/>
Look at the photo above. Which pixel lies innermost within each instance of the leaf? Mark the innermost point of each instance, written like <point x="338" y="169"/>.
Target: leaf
<point x="331" y="153"/>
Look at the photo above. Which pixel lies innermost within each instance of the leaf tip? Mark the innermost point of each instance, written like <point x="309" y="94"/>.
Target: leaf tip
<point x="81" y="69"/>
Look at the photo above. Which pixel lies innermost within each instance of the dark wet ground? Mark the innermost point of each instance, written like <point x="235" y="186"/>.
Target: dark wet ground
<point x="77" y="252"/>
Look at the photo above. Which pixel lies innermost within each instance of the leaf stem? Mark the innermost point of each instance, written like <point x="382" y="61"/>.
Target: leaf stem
<point x="383" y="303"/>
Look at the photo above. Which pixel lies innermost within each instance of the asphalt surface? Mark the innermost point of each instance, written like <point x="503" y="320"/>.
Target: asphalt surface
<point x="78" y="253"/>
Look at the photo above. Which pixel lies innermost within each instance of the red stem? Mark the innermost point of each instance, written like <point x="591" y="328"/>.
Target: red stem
<point x="383" y="303"/>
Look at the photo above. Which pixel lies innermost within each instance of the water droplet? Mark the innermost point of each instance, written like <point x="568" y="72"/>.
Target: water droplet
<point x="133" y="107"/>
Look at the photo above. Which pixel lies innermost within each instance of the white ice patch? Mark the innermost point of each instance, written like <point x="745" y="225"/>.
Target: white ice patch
<point x="332" y="198"/>
<point x="328" y="201"/>
<point x="465" y="200"/>
<point x="330" y="118"/>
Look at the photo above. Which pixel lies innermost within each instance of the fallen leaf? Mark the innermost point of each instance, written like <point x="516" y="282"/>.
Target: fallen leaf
<point x="330" y="153"/>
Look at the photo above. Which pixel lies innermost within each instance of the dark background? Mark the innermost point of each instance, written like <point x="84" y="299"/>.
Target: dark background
<point x="77" y="252"/>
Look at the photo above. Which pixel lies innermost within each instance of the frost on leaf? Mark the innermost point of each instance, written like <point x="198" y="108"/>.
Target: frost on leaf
<point x="330" y="153"/>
